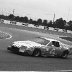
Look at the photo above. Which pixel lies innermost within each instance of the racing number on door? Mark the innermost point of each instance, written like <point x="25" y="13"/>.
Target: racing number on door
<point x="52" y="51"/>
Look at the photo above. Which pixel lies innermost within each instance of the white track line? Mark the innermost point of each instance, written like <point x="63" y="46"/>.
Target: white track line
<point x="10" y="36"/>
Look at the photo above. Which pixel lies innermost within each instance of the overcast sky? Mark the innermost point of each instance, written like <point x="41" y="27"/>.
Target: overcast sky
<point x="44" y="9"/>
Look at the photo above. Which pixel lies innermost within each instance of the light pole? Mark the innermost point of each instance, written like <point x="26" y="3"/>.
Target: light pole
<point x="13" y="11"/>
<point x="54" y="18"/>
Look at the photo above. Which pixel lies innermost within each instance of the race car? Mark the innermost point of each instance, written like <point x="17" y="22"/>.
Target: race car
<point x="40" y="46"/>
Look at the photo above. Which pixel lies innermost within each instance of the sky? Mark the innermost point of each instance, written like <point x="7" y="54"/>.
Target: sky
<point x="44" y="9"/>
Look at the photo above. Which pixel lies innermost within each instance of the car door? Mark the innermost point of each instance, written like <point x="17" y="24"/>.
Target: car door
<point x="47" y="49"/>
<point x="56" y="49"/>
<point x="53" y="48"/>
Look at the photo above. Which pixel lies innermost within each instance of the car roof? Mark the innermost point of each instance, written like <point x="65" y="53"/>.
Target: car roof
<point x="50" y="39"/>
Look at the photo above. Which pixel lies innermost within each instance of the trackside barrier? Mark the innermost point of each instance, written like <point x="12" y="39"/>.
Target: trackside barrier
<point x="64" y="30"/>
<point x="31" y="25"/>
<point x="41" y="27"/>
<point x="56" y="29"/>
<point x="25" y="24"/>
<point x="68" y="31"/>
<point x="12" y="22"/>
<point x="19" y="23"/>
<point x="51" y="28"/>
<point x="1" y="20"/>
<point x="6" y="21"/>
<point x="60" y="30"/>
<point x="46" y="28"/>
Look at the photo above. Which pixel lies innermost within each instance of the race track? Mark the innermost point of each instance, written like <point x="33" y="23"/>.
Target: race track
<point x="14" y="62"/>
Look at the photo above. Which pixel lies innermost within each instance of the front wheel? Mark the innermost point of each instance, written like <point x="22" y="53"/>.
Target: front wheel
<point x="36" y="53"/>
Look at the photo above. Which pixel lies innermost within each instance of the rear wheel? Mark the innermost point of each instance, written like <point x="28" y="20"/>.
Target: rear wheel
<point x="36" y="53"/>
<point x="65" y="54"/>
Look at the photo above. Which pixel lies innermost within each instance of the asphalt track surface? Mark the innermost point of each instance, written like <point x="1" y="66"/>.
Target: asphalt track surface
<point x="14" y="62"/>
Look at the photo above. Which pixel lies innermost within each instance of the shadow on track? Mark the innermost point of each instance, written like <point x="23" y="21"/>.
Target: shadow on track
<point x="49" y="57"/>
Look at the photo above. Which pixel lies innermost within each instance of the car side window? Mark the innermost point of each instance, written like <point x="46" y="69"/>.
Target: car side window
<point x="55" y="43"/>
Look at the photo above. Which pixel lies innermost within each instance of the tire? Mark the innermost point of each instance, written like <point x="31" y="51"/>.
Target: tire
<point x="36" y="53"/>
<point x="65" y="54"/>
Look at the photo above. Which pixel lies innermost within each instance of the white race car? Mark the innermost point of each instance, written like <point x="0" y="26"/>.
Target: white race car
<point x="41" y="46"/>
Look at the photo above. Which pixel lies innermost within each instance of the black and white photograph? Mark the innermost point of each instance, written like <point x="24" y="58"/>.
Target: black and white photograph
<point x="36" y="35"/>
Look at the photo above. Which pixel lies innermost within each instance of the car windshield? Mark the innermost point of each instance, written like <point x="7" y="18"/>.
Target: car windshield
<point x="41" y="41"/>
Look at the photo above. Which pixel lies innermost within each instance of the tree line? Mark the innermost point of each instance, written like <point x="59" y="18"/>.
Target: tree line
<point x="59" y="23"/>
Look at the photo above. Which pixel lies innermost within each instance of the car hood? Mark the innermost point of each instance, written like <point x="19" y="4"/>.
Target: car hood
<point x="27" y="44"/>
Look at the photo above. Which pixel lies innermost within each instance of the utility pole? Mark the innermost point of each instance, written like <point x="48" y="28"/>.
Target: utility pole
<point x="13" y="11"/>
<point x="54" y="18"/>
<point x="68" y="14"/>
